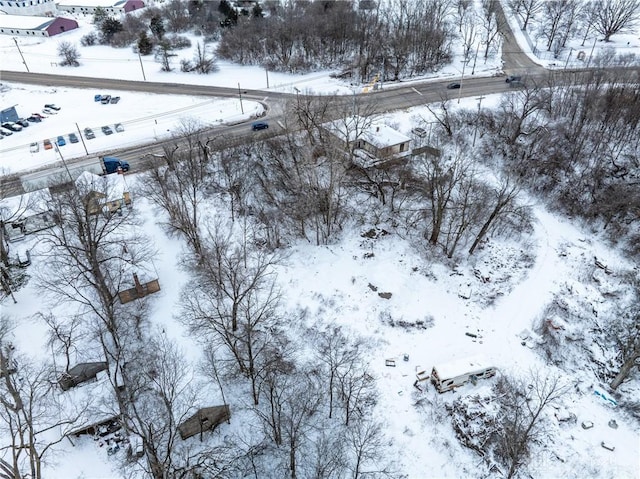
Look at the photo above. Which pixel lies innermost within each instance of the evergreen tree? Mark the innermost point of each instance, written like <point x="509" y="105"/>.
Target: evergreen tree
<point x="109" y="27"/>
<point x="145" y="45"/>
<point x="157" y="27"/>
<point x="99" y="15"/>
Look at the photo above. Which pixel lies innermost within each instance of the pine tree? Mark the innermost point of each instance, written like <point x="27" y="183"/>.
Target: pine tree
<point x="157" y="27"/>
<point x="145" y="45"/>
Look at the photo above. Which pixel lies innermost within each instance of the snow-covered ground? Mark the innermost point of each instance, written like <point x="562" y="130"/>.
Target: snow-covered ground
<point x="334" y="281"/>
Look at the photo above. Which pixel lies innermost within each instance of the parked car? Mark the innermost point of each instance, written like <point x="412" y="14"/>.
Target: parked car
<point x="115" y="100"/>
<point x="47" y="144"/>
<point x="89" y="134"/>
<point x="34" y="147"/>
<point x="97" y="97"/>
<point x="34" y="119"/>
<point x="46" y="111"/>
<point x="419" y="132"/>
<point x="60" y="141"/>
<point x="22" y="122"/>
<point x="52" y="106"/>
<point x="42" y="117"/>
<point x="119" y="128"/>
<point x="5" y="132"/>
<point x="107" y="130"/>
<point x="105" y="99"/>
<point x="453" y="86"/>
<point x="259" y="125"/>
<point x="9" y="125"/>
<point x="73" y="138"/>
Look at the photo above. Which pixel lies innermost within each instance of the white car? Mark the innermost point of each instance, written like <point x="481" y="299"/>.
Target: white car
<point x="46" y="111"/>
<point x="34" y="148"/>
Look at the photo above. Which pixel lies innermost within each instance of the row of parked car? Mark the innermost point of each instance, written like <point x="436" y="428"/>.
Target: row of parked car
<point x="106" y="99"/>
<point x="89" y="134"/>
<point x="8" y="128"/>
<point x="73" y="138"/>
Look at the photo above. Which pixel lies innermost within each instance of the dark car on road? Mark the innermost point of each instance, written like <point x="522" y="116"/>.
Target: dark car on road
<point x="453" y="86"/>
<point x="107" y="130"/>
<point x="259" y="125"/>
<point x="511" y="78"/>
<point x="89" y="134"/>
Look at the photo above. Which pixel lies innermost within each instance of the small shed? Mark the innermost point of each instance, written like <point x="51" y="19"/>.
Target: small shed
<point x="205" y="419"/>
<point x="31" y="26"/>
<point x="81" y="373"/>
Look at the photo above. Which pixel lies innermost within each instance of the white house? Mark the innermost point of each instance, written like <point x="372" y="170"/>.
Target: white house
<point x="106" y="194"/>
<point x="381" y="142"/>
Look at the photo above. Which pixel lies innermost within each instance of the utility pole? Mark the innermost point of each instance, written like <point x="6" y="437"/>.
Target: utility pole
<point x="464" y="64"/>
<point x="82" y="139"/>
<point x="475" y="131"/>
<point x="141" y="67"/>
<point x="21" y="55"/>
<point x="266" y="72"/>
<point x="240" y="95"/>
<point x="590" y="54"/>
<point x="568" y="56"/>
<point x="63" y="162"/>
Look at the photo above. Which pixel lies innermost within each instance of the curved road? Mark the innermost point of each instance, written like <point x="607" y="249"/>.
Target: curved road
<point x="515" y="61"/>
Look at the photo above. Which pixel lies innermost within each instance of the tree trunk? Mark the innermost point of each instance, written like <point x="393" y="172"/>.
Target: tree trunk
<point x="626" y="368"/>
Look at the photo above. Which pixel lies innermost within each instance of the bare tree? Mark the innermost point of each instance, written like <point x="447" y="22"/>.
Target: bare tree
<point x="505" y="197"/>
<point x="162" y="394"/>
<point x="626" y="334"/>
<point x="522" y="406"/>
<point x="364" y="441"/>
<point x="63" y="336"/>
<point x="491" y="24"/>
<point x="32" y="420"/>
<point x="91" y="256"/>
<point x="614" y="16"/>
<point x="180" y="188"/>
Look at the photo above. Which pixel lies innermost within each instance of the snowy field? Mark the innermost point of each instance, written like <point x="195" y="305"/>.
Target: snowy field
<point x="495" y="296"/>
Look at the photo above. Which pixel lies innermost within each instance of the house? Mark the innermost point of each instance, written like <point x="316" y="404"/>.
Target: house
<point x="89" y="7"/>
<point x="453" y="374"/>
<point x="42" y="8"/>
<point x="106" y="194"/>
<point x="81" y="373"/>
<point x="32" y="26"/>
<point x="25" y="214"/>
<point x="379" y="142"/>
<point x="205" y="419"/>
